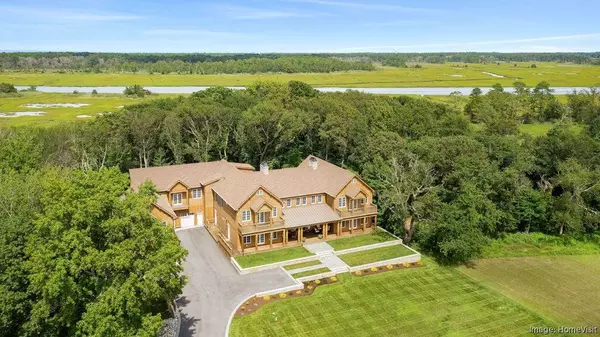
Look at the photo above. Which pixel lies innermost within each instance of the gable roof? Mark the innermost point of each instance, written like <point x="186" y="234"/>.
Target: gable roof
<point x="191" y="175"/>
<point x="163" y="204"/>
<point x="309" y="215"/>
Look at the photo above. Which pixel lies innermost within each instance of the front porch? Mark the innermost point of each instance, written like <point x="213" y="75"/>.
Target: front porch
<point x="290" y="237"/>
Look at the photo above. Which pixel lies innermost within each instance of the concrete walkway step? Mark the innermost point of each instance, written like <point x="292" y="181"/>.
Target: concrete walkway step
<point x="334" y="263"/>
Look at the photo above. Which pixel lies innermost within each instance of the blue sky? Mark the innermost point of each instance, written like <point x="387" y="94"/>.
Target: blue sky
<point x="299" y="25"/>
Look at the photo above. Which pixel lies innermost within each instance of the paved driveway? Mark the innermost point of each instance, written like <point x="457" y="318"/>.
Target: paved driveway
<point x="214" y="287"/>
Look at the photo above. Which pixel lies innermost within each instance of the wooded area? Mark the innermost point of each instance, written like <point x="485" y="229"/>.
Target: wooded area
<point x="259" y="63"/>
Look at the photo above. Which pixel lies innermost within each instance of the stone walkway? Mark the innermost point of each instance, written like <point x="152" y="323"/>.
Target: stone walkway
<point x="325" y="254"/>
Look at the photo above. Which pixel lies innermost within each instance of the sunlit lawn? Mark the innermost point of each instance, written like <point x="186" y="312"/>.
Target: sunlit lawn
<point x="428" y="301"/>
<point x="376" y="236"/>
<point x="374" y="255"/>
<point x="279" y="255"/>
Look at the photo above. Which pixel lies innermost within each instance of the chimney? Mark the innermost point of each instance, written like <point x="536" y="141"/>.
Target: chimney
<point x="312" y="162"/>
<point x="264" y="167"/>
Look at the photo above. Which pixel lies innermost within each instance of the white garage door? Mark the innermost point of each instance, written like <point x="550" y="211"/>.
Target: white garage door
<point x="187" y="221"/>
<point x="200" y="219"/>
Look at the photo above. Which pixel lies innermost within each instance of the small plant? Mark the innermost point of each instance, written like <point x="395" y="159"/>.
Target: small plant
<point x="75" y="92"/>
<point x="317" y="281"/>
<point x="419" y="263"/>
<point x="243" y="308"/>
<point x="309" y="287"/>
<point x="320" y="236"/>
<point x="267" y="298"/>
<point x="358" y="272"/>
<point x="333" y="278"/>
<point x="298" y="292"/>
<point x="282" y="295"/>
<point x="374" y="269"/>
<point x="389" y="266"/>
<point x="94" y="92"/>
<point x="303" y="240"/>
<point x="406" y="264"/>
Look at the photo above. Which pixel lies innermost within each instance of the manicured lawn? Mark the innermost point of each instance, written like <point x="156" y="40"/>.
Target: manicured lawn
<point x="258" y="259"/>
<point x="564" y="288"/>
<point x="428" y="301"/>
<point x="302" y="265"/>
<point x="311" y="272"/>
<point x="375" y="236"/>
<point x="536" y="244"/>
<point x="374" y="255"/>
<point x="431" y="75"/>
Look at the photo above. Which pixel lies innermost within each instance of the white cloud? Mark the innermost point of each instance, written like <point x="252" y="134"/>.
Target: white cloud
<point x="66" y="14"/>
<point x="167" y="32"/>
<point x="400" y="23"/>
<point x="366" y="6"/>
<point x="247" y="13"/>
<point x="473" y="44"/>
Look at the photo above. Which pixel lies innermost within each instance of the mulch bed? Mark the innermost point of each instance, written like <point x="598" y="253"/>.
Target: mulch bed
<point x="383" y="269"/>
<point x="255" y="303"/>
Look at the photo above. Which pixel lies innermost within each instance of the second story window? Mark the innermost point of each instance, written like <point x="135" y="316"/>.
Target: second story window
<point x="245" y="215"/>
<point x="289" y="202"/>
<point x="319" y="198"/>
<point x="196" y="193"/>
<point x="342" y="202"/>
<point x="313" y="199"/>
<point x="262" y="217"/>
<point x="259" y="192"/>
<point x="274" y="211"/>
<point x="177" y="198"/>
<point x="297" y="201"/>
<point x="354" y="180"/>
<point x="303" y="200"/>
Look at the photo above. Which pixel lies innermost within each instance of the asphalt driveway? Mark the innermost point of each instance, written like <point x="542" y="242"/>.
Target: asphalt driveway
<point x="214" y="288"/>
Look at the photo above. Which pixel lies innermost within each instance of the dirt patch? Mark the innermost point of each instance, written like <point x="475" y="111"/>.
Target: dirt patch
<point x="255" y="303"/>
<point x="55" y="105"/>
<point x="83" y="116"/>
<point x="456" y="75"/>
<point x="493" y="75"/>
<point x="21" y="114"/>
<point x="383" y="269"/>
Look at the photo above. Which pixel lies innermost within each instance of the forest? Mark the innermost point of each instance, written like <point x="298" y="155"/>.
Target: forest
<point x="259" y="63"/>
<point x="445" y="188"/>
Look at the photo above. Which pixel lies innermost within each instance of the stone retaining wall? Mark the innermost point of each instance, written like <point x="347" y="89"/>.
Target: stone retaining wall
<point x="398" y="260"/>
<point x="244" y="271"/>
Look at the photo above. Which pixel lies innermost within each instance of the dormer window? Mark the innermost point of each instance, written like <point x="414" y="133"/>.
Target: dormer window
<point x="259" y="192"/>
<point x="319" y="198"/>
<point x="245" y="215"/>
<point x="342" y="202"/>
<point x="177" y="198"/>
<point x="354" y="180"/>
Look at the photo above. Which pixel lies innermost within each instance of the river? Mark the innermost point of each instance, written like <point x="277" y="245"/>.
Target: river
<point x="381" y="91"/>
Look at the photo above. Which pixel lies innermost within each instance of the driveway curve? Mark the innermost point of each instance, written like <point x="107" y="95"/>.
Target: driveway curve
<point x="214" y="288"/>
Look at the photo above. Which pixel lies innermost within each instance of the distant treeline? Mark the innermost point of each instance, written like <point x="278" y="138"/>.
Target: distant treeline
<point x="260" y="63"/>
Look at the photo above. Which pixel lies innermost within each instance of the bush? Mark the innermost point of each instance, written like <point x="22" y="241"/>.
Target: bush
<point x="7" y="88"/>
<point x="94" y="92"/>
<point x="136" y="90"/>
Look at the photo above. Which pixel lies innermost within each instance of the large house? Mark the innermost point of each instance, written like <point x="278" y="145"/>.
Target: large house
<point x="248" y="211"/>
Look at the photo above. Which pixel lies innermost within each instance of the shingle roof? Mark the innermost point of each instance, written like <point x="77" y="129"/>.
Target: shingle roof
<point x="192" y="175"/>
<point x="163" y="204"/>
<point x="353" y="191"/>
<point x="309" y="215"/>
<point x="257" y="204"/>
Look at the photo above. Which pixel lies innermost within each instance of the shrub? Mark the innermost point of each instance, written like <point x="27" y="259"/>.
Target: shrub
<point x="389" y="266"/>
<point x="358" y="272"/>
<point x="6" y="88"/>
<point x="374" y="269"/>
<point x="317" y="281"/>
<point x="282" y="295"/>
<point x="94" y="92"/>
<point x="267" y="298"/>
<point x="333" y="278"/>
<point x="298" y="292"/>
<point x="406" y="264"/>
<point x="136" y="90"/>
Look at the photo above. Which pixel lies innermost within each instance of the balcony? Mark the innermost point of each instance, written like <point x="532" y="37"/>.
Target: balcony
<point x="365" y="210"/>
<point x="181" y="206"/>
<point x="251" y="227"/>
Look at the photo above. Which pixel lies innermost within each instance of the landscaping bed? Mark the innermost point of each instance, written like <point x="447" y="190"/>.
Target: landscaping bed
<point x="374" y="255"/>
<point x="376" y="236"/>
<point x="255" y="303"/>
<point x="383" y="269"/>
<point x="311" y="272"/>
<point x="302" y="265"/>
<point x="280" y="255"/>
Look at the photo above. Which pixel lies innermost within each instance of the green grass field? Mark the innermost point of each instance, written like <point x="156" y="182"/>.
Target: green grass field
<point x="279" y="255"/>
<point x="564" y="288"/>
<point x="374" y="255"/>
<point x="428" y="301"/>
<point x="311" y="272"/>
<point x="374" y="237"/>
<point x="302" y="265"/>
<point x="539" y="244"/>
<point x="53" y="116"/>
<point x="431" y="75"/>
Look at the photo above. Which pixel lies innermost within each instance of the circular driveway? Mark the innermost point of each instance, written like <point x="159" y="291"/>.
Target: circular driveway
<point x="214" y="288"/>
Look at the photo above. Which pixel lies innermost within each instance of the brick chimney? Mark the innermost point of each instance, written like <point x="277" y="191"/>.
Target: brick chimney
<point x="264" y="167"/>
<point x="313" y="162"/>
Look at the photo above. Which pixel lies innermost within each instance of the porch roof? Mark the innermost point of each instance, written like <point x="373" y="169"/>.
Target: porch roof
<point x="163" y="204"/>
<point x="309" y="215"/>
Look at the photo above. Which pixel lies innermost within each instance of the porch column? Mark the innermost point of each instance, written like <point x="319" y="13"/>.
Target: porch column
<point x="241" y="238"/>
<point x="339" y="228"/>
<point x="300" y="234"/>
<point x="285" y="237"/>
<point x="374" y="223"/>
<point x="364" y="224"/>
<point x="256" y="242"/>
<point x="352" y="226"/>
<point x="325" y="229"/>
<point x="271" y="240"/>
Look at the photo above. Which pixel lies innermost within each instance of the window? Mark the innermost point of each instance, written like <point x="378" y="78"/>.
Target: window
<point x="261" y="217"/>
<point x="319" y="198"/>
<point x="297" y="201"/>
<point x="342" y="202"/>
<point x="303" y="200"/>
<point x="343" y="224"/>
<point x="373" y="219"/>
<point x="313" y="199"/>
<point x="289" y="202"/>
<point x="247" y="240"/>
<point x="274" y="211"/>
<point x="228" y="232"/>
<point x="259" y="192"/>
<point x="245" y="215"/>
<point x="274" y="235"/>
<point x="261" y="239"/>
<point x="177" y="198"/>
<point x="354" y="180"/>
<point x="196" y="193"/>
<point x="355" y="224"/>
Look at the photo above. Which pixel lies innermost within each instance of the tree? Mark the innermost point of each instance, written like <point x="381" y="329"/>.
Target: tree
<point x="136" y="90"/>
<point x="6" y="88"/>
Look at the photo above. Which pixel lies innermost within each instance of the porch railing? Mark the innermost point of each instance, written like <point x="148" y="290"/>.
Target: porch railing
<point x="365" y="210"/>
<point x="251" y="227"/>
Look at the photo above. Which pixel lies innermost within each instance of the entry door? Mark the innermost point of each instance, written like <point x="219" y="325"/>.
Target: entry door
<point x="200" y="219"/>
